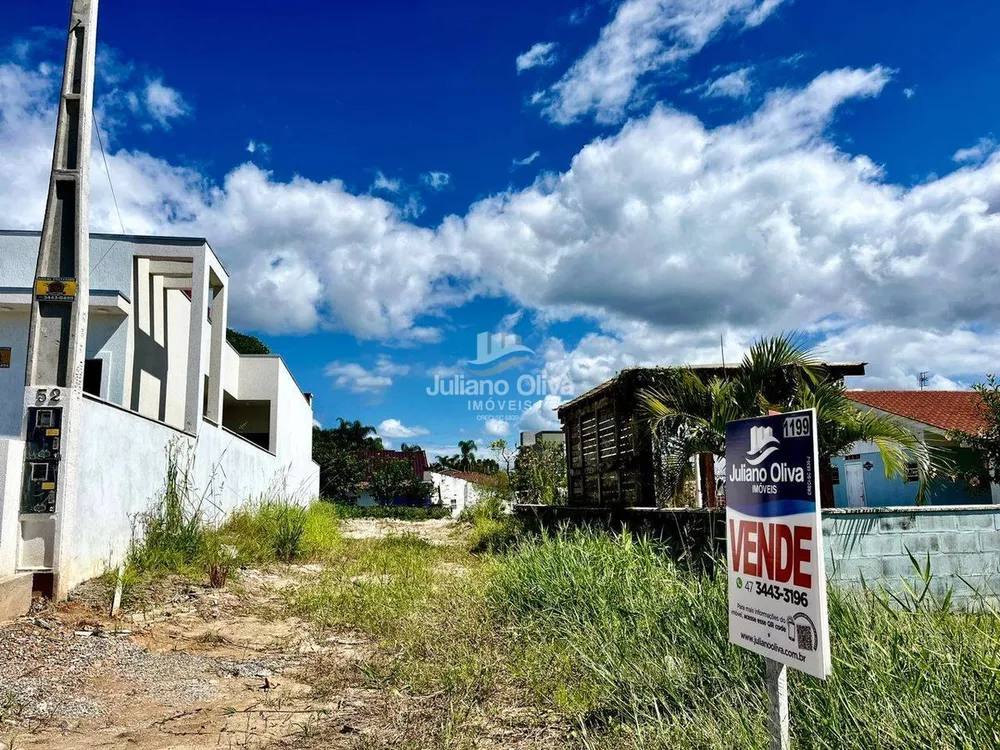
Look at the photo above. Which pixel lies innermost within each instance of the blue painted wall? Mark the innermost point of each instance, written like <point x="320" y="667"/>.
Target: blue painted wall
<point x="881" y="491"/>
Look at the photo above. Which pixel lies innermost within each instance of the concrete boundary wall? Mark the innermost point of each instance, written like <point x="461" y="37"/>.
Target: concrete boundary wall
<point x="871" y="545"/>
<point x="861" y="544"/>
<point x="122" y="470"/>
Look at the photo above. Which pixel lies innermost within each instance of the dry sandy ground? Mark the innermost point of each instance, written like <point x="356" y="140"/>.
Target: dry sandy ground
<point x="207" y="668"/>
<point x="436" y="531"/>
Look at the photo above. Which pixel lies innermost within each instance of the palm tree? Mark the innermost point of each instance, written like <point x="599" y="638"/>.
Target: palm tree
<point x="688" y="415"/>
<point x="468" y="459"/>
<point x="354" y="432"/>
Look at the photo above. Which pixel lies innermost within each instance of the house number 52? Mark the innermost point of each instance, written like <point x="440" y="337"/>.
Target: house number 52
<point x="47" y="396"/>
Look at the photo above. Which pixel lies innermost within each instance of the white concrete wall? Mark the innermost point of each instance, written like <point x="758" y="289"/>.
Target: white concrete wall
<point x="177" y="316"/>
<point x="107" y="340"/>
<point x="11" y="472"/>
<point x="13" y="333"/>
<point x="124" y="458"/>
<point x="454" y="492"/>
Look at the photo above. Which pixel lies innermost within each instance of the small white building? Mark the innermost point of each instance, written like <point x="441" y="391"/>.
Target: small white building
<point x="457" y="490"/>
<point x="158" y="371"/>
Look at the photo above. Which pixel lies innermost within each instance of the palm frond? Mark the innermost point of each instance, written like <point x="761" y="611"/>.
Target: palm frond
<point x="771" y="355"/>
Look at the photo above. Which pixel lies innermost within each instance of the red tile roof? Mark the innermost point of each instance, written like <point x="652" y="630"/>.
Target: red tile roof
<point x="946" y="410"/>
<point x="469" y="476"/>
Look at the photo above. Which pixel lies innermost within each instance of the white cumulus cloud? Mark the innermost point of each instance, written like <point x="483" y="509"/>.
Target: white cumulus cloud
<point x="645" y="35"/>
<point x="976" y="153"/>
<point x="540" y="55"/>
<point x="164" y="103"/>
<point x="735" y="85"/>
<point x="357" y="378"/>
<point x="660" y="236"/>
<point x="436" y="180"/>
<point x="526" y="160"/>
<point x="393" y="428"/>
<point x="496" y="427"/>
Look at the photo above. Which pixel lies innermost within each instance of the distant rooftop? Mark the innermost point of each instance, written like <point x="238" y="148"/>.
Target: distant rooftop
<point x="837" y="369"/>
<point x="946" y="410"/>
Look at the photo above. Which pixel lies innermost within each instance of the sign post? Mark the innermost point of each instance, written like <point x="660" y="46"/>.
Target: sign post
<point x="774" y="544"/>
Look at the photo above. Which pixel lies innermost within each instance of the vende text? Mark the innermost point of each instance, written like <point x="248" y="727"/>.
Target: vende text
<point x="772" y="550"/>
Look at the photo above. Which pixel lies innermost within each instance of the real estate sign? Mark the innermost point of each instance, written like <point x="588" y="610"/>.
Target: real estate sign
<point x="774" y="540"/>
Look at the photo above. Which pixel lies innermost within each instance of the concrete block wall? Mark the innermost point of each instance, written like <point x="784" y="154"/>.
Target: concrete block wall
<point x="870" y="545"/>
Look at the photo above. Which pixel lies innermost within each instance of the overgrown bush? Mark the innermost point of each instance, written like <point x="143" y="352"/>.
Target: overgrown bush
<point x="266" y="531"/>
<point x="389" y="481"/>
<point x="494" y="529"/>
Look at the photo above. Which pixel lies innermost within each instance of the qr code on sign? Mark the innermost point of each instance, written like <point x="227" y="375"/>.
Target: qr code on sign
<point x="804" y="637"/>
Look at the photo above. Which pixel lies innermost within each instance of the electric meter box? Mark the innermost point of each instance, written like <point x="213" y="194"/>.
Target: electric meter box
<point x="42" y="454"/>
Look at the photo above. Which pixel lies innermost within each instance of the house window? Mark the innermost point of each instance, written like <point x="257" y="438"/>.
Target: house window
<point x="912" y="472"/>
<point x="92" y="371"/>
<point x="835" y="474"/>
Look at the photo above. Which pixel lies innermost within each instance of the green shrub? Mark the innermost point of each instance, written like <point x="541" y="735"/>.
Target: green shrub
<point x="322" y="532"/>
<point x="267" y="531"/>
<point x="494" y="534"/>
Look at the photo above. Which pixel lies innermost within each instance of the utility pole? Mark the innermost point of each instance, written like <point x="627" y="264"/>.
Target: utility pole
<point x="57" y="336"/>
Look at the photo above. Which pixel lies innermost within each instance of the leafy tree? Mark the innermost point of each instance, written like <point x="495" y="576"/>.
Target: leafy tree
<point x="688" y="415"/>
<point x="341" y="474"/>
<point x="540" y="472"/>
<point x="244" y="343"/>
<point x="504" y="455"/>
<point x="394" y="480"/>
<point x="978" y="459"/>
<point x="338" y="451"/>
<point x="446" y="462"/>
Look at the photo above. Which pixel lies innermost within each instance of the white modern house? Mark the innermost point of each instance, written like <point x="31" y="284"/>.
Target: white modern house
<point x="158" y="373"/>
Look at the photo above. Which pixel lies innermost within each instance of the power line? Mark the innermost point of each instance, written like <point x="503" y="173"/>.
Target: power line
<point x="107" y="171"/>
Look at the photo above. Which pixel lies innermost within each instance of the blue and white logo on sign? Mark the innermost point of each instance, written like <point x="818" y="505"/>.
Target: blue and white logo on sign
<point x="762" y="444"/>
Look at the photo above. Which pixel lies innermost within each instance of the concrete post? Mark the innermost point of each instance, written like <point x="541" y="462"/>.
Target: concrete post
<point x="195" y="391"/>
<point x="216" y="357"/>
<point x="57" y="336"/>
<point x="777" y="705"/>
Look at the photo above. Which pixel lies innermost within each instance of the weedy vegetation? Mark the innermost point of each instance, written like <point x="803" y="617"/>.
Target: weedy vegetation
<point x="602" y="638"/>
<point x="629" y="650"/>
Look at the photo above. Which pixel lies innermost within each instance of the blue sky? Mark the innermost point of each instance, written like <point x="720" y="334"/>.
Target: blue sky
<point x="617" y="182"/>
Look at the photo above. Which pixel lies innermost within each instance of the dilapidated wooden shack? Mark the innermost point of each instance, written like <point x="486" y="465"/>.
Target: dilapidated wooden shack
<point x="610" y="455"/>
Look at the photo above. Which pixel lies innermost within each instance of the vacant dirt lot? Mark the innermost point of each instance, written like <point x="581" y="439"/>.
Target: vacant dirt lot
<point x="205" y="668"/>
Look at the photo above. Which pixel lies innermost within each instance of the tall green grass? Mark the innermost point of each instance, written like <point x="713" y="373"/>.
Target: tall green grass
<point x="611" y="634"/>
<point x="373" y="584"/>
<point x="173" y="535"/>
